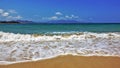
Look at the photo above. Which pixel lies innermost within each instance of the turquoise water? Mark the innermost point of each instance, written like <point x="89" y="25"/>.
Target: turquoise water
<point x="52" y="28"/>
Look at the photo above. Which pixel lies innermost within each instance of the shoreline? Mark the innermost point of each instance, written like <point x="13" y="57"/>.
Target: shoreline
<point x="43" y="59"/>
<point x="70" y="62"/>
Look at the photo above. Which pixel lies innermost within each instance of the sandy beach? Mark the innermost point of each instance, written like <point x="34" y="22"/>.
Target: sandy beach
<point x="70" y="62"/>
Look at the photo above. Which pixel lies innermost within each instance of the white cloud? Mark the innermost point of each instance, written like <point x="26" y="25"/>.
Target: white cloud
<point x="50" y="18"/>
<point x="14" y="17"/>
<point x="53" y="18"/>
<point x="68" y="17"/>
<point x="18" y="17"/>
<point x="9" y="15"/>
<point x="71" y="17"/>
<point x="5" y="14"/>
<point x="12" y="11"/>
<point x="58" y="13"/>
<point x="60" y="16"/>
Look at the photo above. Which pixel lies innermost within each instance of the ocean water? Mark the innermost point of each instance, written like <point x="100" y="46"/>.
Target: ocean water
<point x="19" y="42"/>
<point x="51" y="28"/>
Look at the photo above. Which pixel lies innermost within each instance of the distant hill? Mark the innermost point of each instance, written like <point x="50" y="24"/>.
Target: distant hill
<point x="63" y="21"/>
<point x="9" y="22"/>
<point x="48" y="22"/>
<point x="16" y="22"/>
<point x="25" y="21"/>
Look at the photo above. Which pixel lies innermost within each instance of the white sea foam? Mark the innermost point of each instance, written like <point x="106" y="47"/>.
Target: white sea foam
<point x="19" y="47"/>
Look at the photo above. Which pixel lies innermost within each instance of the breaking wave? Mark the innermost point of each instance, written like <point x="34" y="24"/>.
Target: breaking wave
<point x="19" y="47"/>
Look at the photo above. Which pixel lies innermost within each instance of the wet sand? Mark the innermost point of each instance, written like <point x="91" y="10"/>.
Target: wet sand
<point x="70" y="62"/>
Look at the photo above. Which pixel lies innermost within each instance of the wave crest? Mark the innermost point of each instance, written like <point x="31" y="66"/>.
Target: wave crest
<point x="20" y="47"/>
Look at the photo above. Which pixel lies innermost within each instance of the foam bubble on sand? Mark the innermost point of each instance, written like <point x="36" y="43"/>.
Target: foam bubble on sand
<point x="20" y="47"/>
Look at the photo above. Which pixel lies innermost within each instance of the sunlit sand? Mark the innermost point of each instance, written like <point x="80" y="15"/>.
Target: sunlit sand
<point x="70" y="62"/>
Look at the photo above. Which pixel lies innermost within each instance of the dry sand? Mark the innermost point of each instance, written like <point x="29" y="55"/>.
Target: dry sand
<point x="70" y="62"/>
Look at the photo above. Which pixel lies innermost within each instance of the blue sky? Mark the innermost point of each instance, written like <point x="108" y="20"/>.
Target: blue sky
<point x="44" y="10"/>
